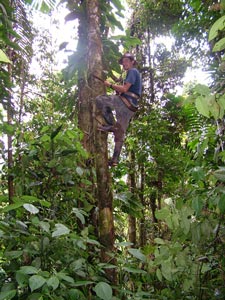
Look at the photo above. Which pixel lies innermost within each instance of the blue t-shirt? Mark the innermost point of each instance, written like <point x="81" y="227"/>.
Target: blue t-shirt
<point x="134" y="77"/>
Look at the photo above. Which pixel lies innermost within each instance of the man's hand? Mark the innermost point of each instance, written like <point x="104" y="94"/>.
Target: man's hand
<point x="106" y="83"/>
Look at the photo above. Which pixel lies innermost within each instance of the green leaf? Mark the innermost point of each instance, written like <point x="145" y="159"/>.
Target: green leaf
<point x="11" y="207"/>
<point x="22" y="279"/>
<point x="220" y="174"/>
<point x="28" y="270"/>
<point x="216" y="27"/>
<point x="117" y="4"/>
<point x="7" y="295"/>
<point x="76" y="294"/>
<point x="202" y="89"/>
<point x="214" y="107"/>
<point x="166" y="269"/>
<point x="162" y="213"/>
<point x="45" y="226"/>
<point x="79" y="215"/>
<point x="83" y="282"/>
<point x="53" y="282"/>
<point x="31" y="208"/>
<point x="54" y="133"/>
<point x="80" y="171"/>
<point x="103" y="291"/>
<point x="4" y="58"/>
<point x="35" y="296"/>
<point x="45" y="203"/>
<point x="137" y="253"/>
<point x="221" y="101"/>
<point x="219" y="46"/>
<point x="202" y="106"/>
<point x="14" y="254"/>
<point x="65" y="277"/>
<point x="8" y="128"/>
<point x="221" y="204"/>
<point x="159" y="274"/>
<point x="60" y="229"/>
<point x="124" y="244"/>
<point x="28" y="198"/>
<point x="159" y="241"/>
<point x="197" y="205"/>
<point x="134" y="270"/>
<point x="4" y="198"/>
<point x="36" y="281"/>
<point x="93" y="242"/>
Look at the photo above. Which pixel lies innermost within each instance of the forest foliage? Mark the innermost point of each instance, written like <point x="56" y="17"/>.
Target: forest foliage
<point x="168" y="189"/>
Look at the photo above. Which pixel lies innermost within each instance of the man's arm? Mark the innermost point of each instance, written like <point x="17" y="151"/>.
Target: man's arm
<point x="118" y="88"/>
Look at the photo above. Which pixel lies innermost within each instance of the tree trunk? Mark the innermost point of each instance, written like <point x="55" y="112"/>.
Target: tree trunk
<point x="142" y="230"/>
<point x="9" y="137"/>
<point x="94" y="141"/>
<point x="151" y="68"/>
<point x="132" y="184"/>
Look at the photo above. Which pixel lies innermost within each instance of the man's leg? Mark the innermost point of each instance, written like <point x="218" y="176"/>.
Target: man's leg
<point x="119" y="135"/>
<point x="104" y="104"/>
<point x="123" y="116"/>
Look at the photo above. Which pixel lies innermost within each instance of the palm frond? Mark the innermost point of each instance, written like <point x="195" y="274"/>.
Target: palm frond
<point x="44" y="5"/>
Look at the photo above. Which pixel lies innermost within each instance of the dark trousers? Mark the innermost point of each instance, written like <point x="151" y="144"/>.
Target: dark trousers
<point x="106" y="104"/>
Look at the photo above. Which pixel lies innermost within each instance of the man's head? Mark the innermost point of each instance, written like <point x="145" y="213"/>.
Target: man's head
<point x="127" y="60"/>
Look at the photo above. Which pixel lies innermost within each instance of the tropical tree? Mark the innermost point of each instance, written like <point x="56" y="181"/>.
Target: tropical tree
<point x="152" y="228"/>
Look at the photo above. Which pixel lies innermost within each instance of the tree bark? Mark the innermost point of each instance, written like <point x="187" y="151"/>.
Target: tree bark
<point x="142" y="229"/>
<point x="9" y="137"/>
<point x="95" y="142"/>
<point x="132" y="184"/>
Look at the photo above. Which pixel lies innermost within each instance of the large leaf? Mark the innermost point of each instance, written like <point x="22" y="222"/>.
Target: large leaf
<point x="221" y="101"/>
<point x="21" y="201"/>
<point x="60" y="229"/>
<point x="197" y="205"/>
<point x="202" y="89"/>
<point x="217" y="26"/>
<point x="202" y="106"/>
<point x="219" y="46"/>
<point x="28" y="270"/>
<point x="221" y="204"/>
<point x="7" y="295"/>
<point x="166" y="269"/>
<point x="214" y="108"/>
<point x="162" y="213"/>
<point x="12" y="207"/>
<point x="36" y="281"/>
<point x="103" y="291"/>
<point x="4" y="58"/>
<point x="76" y="294"/>
<point x="53" y="282"/>
<point x="65" y="277"/>
<point x="31" y="208"/>
<point x="220" y="174"/>
<point x="43" y="5"/>
<point x="79" y="214"/>
<point x="83" y="282"/>
<point x="137" y="253"/>
<point x="159" y="241"/>
<point x="45" y="226"/>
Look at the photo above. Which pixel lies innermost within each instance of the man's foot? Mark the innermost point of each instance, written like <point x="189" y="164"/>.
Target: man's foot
<point x="107" y="128"/>
<point x="112" y="163"/>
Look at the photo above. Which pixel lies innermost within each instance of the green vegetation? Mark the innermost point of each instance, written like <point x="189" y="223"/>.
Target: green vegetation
<point x="166" y="239"/>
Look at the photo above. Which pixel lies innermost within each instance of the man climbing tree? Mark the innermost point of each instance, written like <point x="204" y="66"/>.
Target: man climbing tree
<point x="124" y="102"/>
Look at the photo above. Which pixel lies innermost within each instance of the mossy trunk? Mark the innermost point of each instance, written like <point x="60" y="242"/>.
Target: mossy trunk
<point x="94" y="141"/>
